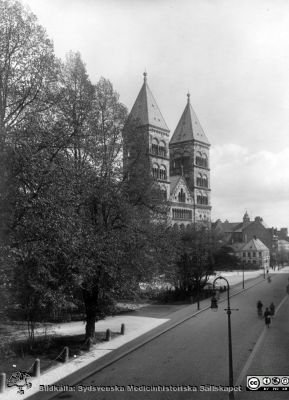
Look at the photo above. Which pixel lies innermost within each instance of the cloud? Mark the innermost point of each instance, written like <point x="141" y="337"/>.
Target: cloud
<point x="256" y="181"/>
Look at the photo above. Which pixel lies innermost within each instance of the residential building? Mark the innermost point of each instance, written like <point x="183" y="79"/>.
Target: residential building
<point x="245" y="231"/>
<point x="254" y="253"/>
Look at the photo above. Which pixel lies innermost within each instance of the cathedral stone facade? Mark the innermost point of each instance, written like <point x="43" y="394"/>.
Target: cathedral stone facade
<point x="180" y="166"/>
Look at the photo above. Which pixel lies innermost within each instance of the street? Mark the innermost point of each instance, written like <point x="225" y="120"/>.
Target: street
<point x="196" y="352"/>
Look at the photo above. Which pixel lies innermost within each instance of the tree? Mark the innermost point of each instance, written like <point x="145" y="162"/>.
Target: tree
<point x="116" y="244"/>
<point x="28" y="92"/>
<point x="27" y="66"/>
<point x="195" y="263"/>
<point x="224" y="258"/>
<point x="71" y="225"/>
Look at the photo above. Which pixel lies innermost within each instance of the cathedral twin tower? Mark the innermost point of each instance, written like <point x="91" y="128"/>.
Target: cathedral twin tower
<point x="180" y="165"/>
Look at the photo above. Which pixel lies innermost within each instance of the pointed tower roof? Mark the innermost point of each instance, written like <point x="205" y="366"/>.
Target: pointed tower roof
<point x="145" y="109"/>
<point x="189" y="127"/>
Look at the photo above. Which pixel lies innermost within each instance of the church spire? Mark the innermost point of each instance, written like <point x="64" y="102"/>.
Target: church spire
<point x="189" y="127"/>
<point x="145" y="110"/>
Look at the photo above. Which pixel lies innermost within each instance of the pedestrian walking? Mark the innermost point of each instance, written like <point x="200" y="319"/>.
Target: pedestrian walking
<point x="267" y="316"/>
<point x="272" y="309"/>
<point x="259" y="309"/>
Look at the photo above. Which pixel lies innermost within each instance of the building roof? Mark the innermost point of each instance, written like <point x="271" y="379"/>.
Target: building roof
<point x="176" y="182"/>
<point x="173" y="182"/>
<point x="255" y="245"/>
<point x="229" y="227"/>
<point x="145" y="110"/>
<point x="189" y="127"/>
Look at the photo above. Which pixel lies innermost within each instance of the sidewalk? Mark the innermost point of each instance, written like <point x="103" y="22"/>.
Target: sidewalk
<point x="143" y="327"/>
<point x="271" y="355"/>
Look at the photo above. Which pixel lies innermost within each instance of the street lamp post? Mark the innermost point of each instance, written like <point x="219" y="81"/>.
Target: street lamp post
<point x="243" y="275"/>
<point x="214" y="305"/>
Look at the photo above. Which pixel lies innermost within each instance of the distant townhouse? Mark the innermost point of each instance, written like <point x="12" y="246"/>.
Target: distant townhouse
<point x="235" y="233"/>
<point x="254" y="253"/>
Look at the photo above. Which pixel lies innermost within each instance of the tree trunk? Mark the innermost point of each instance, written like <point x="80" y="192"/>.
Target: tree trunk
<point x="90" y="303"/>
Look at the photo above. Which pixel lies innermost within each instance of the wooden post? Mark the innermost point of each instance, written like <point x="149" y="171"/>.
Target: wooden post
<point x="36" y="368"/>
<point x="108" y="335"/>
<point x="122" y="329"/>
<point x="2" y="382"/>
<point x="66" y="354"/>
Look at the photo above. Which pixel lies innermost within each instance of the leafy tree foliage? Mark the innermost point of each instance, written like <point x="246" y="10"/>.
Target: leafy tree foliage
<point x="72" y="229"/>
<point x="27" y="66"/>
<point x="195" y="263"/>
<point x="224" y="258"/>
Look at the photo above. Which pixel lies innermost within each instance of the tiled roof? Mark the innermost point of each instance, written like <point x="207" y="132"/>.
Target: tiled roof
<point x="189" y="127"/>
<point x="173" y="182"/>
<point x="145" y="110"/>
<point x="255" y="244"/>
<point x="231" y="226"/>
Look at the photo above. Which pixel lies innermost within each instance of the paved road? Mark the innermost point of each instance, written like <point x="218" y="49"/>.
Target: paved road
<point x="194" y="353"/>
<point x="271" y="355"/>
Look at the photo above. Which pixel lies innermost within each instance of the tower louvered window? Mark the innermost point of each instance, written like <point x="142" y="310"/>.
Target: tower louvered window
<point x="163" y="173"/>
<point x="162" y="149"/>
<point x="156" y="171"/>
<point x="155" y="146"/>
<point x="202" y="180"/>
<point x="202" y="199"/>
<point x="201" y="160"/>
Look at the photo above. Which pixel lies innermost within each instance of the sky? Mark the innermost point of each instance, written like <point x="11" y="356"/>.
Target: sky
<point x="233" y="58"/>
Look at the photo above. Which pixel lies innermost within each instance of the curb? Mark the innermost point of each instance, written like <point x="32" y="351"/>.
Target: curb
<point x="110" y="358"/>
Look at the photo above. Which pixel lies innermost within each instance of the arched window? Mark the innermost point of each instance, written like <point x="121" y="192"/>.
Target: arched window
<point x="164" y="193"/>
<point x="205" y="181"/>
<point x="199" y="180"/>
<point x="199" y="158"/>
<point x="156" y="171"/>
<point x="182" y="196"/>
<point x="177" y="162"/>
<point x="163" y="173"/>
<point x="162" y="149"/>
<point x="202" y="199"/>
<point x="205" y="160"/>
<point x="155" y="146"/>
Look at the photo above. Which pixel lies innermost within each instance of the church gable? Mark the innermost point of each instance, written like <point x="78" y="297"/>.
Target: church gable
<point x="179" y="191"/>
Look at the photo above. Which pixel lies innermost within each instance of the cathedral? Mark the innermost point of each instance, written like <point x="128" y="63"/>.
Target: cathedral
<point x="179" y="165"/>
